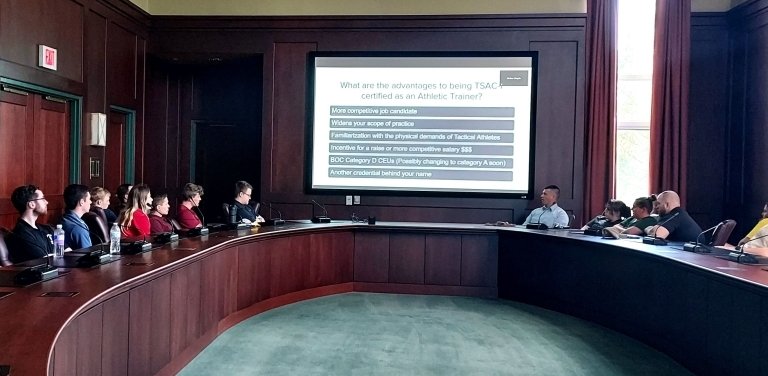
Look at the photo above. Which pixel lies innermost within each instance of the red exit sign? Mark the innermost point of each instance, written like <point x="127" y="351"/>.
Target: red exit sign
<point x="47" y="57"/>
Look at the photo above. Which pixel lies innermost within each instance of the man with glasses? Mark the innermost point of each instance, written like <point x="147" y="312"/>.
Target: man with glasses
<point x="30" y="240"/>
<point x="245" y="212"/>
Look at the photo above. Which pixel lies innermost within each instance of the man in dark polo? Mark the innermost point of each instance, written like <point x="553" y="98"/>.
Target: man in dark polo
<point x="674" y="222"/>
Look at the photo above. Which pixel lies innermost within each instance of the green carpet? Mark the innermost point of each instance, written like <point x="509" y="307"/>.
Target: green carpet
<point x="383" y="334"/>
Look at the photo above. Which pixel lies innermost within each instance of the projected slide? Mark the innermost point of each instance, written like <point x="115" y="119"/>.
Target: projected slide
<point x="422" y="123"/>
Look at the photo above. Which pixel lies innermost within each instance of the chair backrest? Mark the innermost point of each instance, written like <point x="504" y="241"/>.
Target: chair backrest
<point x="97" y="227"/>
<point x="176" y="225"/>
<point x="99" y="211"/>
<point x="5" y="259"/>
<point x="723" y="232"/>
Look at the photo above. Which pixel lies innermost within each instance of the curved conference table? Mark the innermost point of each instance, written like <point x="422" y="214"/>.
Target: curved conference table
<point x="151" y="313"/>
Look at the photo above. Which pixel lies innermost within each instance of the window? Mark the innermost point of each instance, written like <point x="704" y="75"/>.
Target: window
<point x="633" y="97"/>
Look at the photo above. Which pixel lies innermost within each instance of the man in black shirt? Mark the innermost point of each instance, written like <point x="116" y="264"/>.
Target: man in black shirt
<point x="674" y="222"/>
<point x="245" y="212"/>
<point x="29" y="240"/>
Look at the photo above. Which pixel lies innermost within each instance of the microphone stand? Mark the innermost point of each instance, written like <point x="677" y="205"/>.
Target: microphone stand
<point x="693" y="247"/>
<point x="653" y="239"/>
<point x="320" y="218"/>
<point x="741" y="256"/>
<point x="274" y="221"/>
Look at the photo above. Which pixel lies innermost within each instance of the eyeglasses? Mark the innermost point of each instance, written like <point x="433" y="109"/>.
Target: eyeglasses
<point x="36" y="199"/>
<point x="247" y="194"/>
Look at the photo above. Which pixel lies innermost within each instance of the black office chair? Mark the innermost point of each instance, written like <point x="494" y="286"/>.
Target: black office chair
<point x="176" y="225"/>
<point x="97" y="227"/>
<point x="723" y="232"/>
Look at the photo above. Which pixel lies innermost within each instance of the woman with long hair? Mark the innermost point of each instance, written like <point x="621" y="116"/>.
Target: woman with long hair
<point x="133" y="220"/>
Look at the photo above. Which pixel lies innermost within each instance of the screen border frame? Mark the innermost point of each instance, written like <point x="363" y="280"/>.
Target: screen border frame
<point x="309" y="124"/>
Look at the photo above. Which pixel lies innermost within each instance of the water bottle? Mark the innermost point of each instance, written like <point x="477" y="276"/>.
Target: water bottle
<point x="114" y="240"/>
<point x="58" y="242"/>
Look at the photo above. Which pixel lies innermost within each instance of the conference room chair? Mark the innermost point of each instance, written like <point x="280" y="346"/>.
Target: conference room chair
<point x="723" y="232"/>
<point x="5" y="259"/>
<point x="225" y="212"/>
<point x="176" y="225"/>
<point x="99" y="211"/>
<point x="97" y="227"/>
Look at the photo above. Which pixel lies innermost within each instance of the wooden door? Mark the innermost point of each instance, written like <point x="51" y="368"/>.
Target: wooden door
<point x="34" y="149"/>
<point x="114" y="152"/>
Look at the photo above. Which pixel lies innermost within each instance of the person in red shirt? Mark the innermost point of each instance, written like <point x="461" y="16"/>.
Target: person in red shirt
<point x="134" y="221"/>
<point x="157" y="216"/>
<point x="186" y="215"/>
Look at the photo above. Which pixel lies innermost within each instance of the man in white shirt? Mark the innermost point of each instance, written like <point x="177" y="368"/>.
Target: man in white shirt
<point x="549" y="214"/>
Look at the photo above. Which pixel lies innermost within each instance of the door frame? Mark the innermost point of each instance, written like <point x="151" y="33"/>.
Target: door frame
<point x="75" y="103"/>
<point x="130" y="141"/>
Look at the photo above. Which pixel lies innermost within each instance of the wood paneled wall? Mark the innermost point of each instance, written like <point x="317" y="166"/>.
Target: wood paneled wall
<point x="747" y="122"/>
<point x="284" y="43"/>
<point x="101" y="46"/>
<point x="104" y="44"/>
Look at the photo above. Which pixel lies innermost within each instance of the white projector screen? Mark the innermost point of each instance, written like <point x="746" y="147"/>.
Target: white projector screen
<point x="421" y="123"/>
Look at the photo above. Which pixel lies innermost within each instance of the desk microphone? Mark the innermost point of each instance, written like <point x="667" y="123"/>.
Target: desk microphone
<point x="741" y="256"/>
<point x="200" y="213"/>
<point x="538" y="225"/>
<point x="694" y="246"/>
<point x="320" y="218"/>
<point x="272" y="221"/>
<point x="653" y="239"/>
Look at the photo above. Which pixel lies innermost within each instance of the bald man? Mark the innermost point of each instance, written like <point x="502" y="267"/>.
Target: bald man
<point x="674" y="222"/>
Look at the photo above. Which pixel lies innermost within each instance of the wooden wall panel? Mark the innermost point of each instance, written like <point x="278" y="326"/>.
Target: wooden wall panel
<point x="442" y="260"/>
<point x="285" y="138"/>
<point x="290" y="266"/>
<point x="115" y="329"/>
<point x="560" y="40"/>
<point x="709" y="125"/>
<point x="122" y="58"/>
<point x="89" y="341"/>
<point x="218" y="288"/>
<point x="747" y="180"/>
<point x="94" y="67"/>
<point x="559" y="131"/>
<point x="406" y="258"/>
<point x="185" y="315"/>
<point x="330" y="259"/>
<point x="479" y="260"/>
<point x="24" y="24"/>
<point x="371" y="252"/>
<point x="160" y="331"/>
<point x="139" y="345"/>
<point x="65" y="351"/>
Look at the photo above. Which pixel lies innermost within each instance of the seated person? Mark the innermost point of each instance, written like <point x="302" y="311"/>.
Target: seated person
<point x="549" y="214"/>
<point x="187" y="217"/>
<point x="100" y="200"/>
<point x="615" y="211"/>
<point x="77" y="201"/>
<point x="640" y="219"/>
<point x="674" y="222"/>
<point x="245" y="212"/>
<point x="134" y="221"/>
<point x="29" y="240"/>
<point x="122" y="198"/>
<point x="158" y="223"/>
<point x="760" y="224"/>
<point x="760" y="240"/>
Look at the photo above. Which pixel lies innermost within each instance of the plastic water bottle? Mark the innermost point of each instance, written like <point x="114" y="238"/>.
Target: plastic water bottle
<point x="58" y="242"/>
<point x="114" y="240"/>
